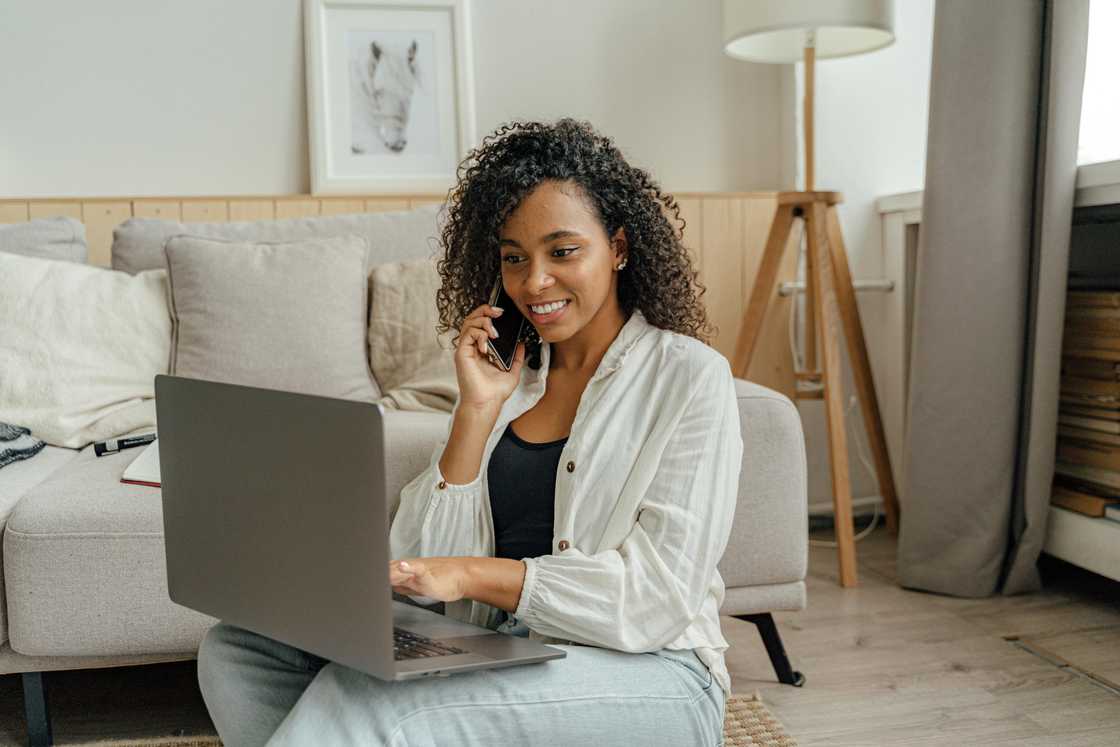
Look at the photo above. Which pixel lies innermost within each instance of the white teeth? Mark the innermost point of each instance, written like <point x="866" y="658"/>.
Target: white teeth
<point x="549" y="308"/>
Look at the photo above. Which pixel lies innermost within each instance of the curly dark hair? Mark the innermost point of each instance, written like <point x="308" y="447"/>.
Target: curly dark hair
<point x="507" y="166"/>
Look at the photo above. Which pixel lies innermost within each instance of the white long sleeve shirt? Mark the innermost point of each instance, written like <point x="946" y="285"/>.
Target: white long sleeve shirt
<point x="644" y="499"/>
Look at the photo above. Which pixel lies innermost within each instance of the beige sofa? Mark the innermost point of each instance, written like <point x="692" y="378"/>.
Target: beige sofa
<point x="83" y="572"/>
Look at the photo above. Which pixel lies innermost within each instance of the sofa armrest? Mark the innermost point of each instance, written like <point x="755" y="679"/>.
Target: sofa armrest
<point x="410" y="438"/>
<point x="769" y="536"/>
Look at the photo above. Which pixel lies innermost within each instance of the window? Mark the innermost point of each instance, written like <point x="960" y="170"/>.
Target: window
<point x="1100" y="104"/>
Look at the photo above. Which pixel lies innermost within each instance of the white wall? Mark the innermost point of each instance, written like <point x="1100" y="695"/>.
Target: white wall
<point x="206" y="97"/>
<point x="871" y="117"/>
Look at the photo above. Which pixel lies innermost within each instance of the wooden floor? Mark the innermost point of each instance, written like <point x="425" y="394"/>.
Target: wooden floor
<point x="884" y="666"/>
<point x="888" y="666"/>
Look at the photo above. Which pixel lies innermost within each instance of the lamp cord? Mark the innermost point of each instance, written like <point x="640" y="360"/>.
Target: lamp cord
<point x="799" y="365"/>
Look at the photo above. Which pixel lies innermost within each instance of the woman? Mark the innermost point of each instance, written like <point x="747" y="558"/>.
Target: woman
<point x="582" y="498"/>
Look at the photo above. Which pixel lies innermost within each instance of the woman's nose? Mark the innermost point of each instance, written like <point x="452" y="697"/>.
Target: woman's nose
<point x="538" y="280"/>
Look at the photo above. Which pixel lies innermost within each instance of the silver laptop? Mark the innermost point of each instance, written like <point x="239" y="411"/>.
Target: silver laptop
<point x="275" y="520"/>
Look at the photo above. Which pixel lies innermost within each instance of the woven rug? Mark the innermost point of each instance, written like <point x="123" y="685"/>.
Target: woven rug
<point x="747" y="723"/>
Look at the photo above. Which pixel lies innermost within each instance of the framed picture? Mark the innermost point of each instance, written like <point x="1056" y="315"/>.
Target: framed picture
<point x="390" y="97"/>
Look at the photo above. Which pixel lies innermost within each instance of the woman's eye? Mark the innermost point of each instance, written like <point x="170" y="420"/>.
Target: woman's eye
<point x="518" y="259"/>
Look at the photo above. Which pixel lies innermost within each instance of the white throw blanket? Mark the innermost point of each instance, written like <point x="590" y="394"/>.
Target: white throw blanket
<point x="79" y="349"/>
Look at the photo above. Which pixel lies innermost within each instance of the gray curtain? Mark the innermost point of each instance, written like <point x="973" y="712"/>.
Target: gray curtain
<point x="990" y="288"/>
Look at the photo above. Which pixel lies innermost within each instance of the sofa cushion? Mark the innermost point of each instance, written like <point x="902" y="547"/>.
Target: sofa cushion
<point x="393" y="236"/>
<point x="60" y="237"/>
<point x="15" y="480"/>
<point x="84" y="559"/>
<point x="84" y="567"/>
<point x="79" y="348"/>
<point x="414" y="366"/>
<point x="288" y="316"/>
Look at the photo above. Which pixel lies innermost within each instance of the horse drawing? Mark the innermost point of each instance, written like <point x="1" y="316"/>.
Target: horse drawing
<point x="382" y="82"/>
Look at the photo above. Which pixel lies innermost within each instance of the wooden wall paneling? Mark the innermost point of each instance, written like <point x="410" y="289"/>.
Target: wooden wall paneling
<point x="100" y="219"/>
<point x="161" y="209"/>
<point x="341" y="206"/>
<point x="13" y="212"/>
<point x="378" y="205"/>
<point x="691" y="213"/>
<point x="722" y="263"/>
<point x="50" y="208"/>
<point x="242" y="209"/>
<point x="205" y="211"/>
<point x="296" y="208"/>
<point x="772" y="362"/>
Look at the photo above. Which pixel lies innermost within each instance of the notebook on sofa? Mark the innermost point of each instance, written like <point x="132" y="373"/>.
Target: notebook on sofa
<point x="144" y="469"/>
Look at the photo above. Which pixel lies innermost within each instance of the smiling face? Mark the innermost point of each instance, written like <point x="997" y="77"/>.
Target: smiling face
<point x="554" y="248"/>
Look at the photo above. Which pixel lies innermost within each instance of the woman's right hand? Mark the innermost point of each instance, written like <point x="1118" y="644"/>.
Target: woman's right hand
<point x="481" y="383"/>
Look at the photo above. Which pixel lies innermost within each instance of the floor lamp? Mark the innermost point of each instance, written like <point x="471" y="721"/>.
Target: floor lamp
<point x="786" y="31"/>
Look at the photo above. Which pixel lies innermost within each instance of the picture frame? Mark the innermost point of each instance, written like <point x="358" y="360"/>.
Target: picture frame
<point x="390" y="94"/>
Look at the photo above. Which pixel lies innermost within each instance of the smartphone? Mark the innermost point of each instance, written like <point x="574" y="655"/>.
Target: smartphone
<point x="509" y="326"/>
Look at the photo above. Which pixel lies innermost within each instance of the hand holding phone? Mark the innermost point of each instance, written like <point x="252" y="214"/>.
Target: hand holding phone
<point x="489" y="355"/>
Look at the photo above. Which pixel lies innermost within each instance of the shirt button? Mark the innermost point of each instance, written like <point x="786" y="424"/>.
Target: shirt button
<point x="563" y="545"/>
<point x="442" y="484"/>
<point x="571" y="466"/>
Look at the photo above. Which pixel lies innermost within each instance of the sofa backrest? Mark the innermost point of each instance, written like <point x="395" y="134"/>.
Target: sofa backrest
<point x="392" y="236"/>
<point x="58" y="237"/>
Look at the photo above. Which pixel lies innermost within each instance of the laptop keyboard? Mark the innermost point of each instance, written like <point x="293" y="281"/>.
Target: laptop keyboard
<point x="408" y="645"/>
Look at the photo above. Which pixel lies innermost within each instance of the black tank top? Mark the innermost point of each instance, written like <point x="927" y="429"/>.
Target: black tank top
<point x="522" y="482"/>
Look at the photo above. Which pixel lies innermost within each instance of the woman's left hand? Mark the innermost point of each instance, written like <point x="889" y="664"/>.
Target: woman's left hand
<point x="442" y="579"/>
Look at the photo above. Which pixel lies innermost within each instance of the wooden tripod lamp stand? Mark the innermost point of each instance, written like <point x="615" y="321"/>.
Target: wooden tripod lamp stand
<point x="785" y="31"/>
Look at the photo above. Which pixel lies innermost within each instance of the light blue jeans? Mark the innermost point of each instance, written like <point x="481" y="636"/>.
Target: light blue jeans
<point x="260" y="691"/>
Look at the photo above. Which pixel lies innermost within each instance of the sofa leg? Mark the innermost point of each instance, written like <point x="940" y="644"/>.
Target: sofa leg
<point x="773" y="642"/>
<point x="38" y="714"/>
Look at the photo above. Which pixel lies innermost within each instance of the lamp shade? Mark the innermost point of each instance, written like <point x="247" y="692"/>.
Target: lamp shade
<point x="775" y="30"/>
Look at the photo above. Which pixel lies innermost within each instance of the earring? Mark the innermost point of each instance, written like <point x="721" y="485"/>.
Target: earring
<point x="621" y="264"/>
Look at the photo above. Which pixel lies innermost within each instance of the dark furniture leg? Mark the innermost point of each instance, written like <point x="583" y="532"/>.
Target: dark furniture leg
<point x="773" y="642"/>
<point x="38" y="714"/>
